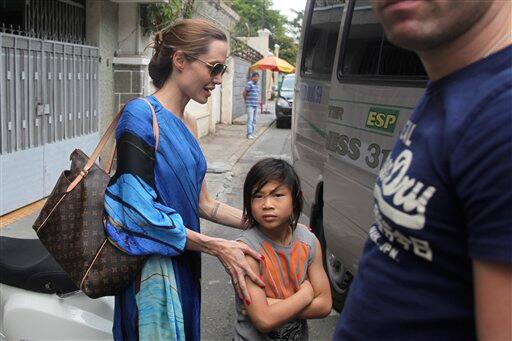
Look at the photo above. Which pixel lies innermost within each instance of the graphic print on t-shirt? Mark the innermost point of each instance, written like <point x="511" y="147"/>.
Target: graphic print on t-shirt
<point x="403" y="200"/>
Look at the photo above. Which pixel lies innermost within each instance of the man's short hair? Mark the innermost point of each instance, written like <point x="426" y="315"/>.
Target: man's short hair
<point x="254" y="74"/>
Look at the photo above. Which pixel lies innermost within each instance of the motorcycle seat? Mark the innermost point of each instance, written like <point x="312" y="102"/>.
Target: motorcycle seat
<point x="26" y="264"/>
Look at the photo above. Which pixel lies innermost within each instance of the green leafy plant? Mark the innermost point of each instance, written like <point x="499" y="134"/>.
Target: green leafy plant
<point x="188" y="8"/>
<point x="258" y="14"/>
<point x="159" y="16"/>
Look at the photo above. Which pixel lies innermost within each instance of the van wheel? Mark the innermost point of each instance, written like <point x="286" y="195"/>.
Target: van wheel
<point x="339" y="277"/>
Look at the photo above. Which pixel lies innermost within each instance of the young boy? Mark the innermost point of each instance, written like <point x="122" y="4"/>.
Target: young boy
<point x="297" y="287"/>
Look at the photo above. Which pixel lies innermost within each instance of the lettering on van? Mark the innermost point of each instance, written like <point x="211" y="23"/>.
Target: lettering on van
<point x="382" y="119"/>
<point x="345" y="146"/>
<point x="311" y="93"/>
<point x="336" y="112"/>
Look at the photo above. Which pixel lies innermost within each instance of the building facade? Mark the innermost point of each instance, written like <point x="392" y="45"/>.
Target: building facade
<point x="68" y="66"/>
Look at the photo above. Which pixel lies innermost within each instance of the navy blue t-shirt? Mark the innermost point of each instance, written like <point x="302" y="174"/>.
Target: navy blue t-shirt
<point x="442" y="199"/>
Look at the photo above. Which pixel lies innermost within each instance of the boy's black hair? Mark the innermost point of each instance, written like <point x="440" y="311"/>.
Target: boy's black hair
<point x="267" y="170"/>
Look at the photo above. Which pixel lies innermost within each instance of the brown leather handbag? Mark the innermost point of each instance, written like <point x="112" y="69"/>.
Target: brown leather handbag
<point x="71" y="224"/>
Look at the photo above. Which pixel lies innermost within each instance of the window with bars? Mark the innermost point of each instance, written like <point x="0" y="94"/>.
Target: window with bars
<point x="61" y="20"/>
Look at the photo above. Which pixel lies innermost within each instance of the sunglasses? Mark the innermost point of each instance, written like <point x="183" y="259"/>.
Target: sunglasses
<point x="215" y="69"/>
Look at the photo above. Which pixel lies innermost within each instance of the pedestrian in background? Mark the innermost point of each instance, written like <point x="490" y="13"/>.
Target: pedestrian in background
<point x="438" y="263"/>
<point x="154" y="201"/>
<point x="252" y="100"/>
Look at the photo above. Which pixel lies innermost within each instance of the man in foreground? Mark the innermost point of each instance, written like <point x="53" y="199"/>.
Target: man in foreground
<point x="438" y="263"/>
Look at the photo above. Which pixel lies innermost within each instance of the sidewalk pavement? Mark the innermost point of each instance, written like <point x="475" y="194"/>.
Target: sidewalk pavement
<point x="222" y="151"/>
<point x="227" y="145"/>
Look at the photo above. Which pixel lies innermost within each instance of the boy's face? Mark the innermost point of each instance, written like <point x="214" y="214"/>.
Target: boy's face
<point x="272" y="206"/>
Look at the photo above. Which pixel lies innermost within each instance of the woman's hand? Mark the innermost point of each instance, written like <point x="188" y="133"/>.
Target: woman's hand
<point x="232" y="255"/>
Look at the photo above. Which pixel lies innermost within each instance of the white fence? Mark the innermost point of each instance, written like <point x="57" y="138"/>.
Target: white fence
<point x="48" y="107"/>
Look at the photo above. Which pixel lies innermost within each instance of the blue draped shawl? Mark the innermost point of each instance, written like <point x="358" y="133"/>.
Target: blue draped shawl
<point x="150" y="200"/>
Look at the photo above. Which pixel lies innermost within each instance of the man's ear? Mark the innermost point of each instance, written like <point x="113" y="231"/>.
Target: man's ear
<point x="178" y="60"/>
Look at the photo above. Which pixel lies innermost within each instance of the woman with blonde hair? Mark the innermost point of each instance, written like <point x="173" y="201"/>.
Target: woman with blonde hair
<point x="154" y="201"/>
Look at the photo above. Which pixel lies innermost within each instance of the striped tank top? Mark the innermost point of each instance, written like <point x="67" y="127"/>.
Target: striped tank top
<point x="283" y="270"/>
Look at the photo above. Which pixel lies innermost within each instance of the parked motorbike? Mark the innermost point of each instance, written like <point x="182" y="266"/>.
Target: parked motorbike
<point x="38" y="301"/>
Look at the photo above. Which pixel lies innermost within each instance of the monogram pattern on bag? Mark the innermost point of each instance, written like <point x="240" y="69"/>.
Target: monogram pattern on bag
<point x="71" y="227"/>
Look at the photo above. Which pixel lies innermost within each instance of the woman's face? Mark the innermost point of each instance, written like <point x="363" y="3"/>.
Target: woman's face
<point x="196" y="81"/>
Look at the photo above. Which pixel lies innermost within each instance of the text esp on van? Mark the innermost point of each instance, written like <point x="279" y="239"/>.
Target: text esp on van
<point x="382" y="119"/>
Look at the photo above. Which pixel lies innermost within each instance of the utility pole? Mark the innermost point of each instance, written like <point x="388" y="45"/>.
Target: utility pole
<point x="263" y="16"/>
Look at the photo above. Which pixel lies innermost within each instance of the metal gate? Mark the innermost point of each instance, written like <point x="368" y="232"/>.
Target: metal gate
<point x="48" y="107"/>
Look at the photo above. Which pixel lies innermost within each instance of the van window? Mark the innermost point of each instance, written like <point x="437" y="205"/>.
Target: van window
<point x="321" y="38"/>
<point x="288" y="84"/>
<point x="367" y="52"/>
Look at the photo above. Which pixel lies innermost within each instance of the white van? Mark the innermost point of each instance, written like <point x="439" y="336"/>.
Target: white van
<point x="353" y="96"/>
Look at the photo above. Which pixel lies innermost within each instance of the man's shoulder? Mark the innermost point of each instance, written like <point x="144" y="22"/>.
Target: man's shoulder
<point x="482" y="85"/>
<point x="487" y="104"/>
<point x="492" y="89"/>
<point x="477" y="95"/>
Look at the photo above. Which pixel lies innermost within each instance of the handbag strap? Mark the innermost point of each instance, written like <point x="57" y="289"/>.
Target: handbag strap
<point x="111" y="160"/>
<point x="104" y="140"/>
<point x="108" y="169"/>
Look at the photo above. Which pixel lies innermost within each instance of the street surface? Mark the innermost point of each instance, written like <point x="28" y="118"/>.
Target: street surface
<point x="218" y="304"/>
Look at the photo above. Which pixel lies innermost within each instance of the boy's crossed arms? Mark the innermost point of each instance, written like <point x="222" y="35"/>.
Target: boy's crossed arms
<point x="312" y="300"/>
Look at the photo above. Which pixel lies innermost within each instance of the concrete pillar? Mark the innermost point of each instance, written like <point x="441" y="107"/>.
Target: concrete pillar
<point x="227" y="92"/>
<point x="131" y="78"/>
<point x="266" y="82"/>
<point x="275" y="80"/>
<point x="129" y="29"/>
<point x="102" y="30"/>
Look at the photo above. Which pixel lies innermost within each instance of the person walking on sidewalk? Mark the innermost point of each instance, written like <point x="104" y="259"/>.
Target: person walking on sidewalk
<point x="438" y="261"/>
<point x="154" y="201"/>
<point x="252" y="100"/>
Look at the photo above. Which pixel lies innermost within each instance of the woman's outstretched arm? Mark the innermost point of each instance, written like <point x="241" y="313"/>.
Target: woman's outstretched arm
<point x="218" y="212"/>
<point x="210" y="208"/>
<point x="230" y="253"/>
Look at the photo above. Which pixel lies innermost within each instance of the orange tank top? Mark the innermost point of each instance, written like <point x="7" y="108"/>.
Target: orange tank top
<point x="285" y="267"/>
